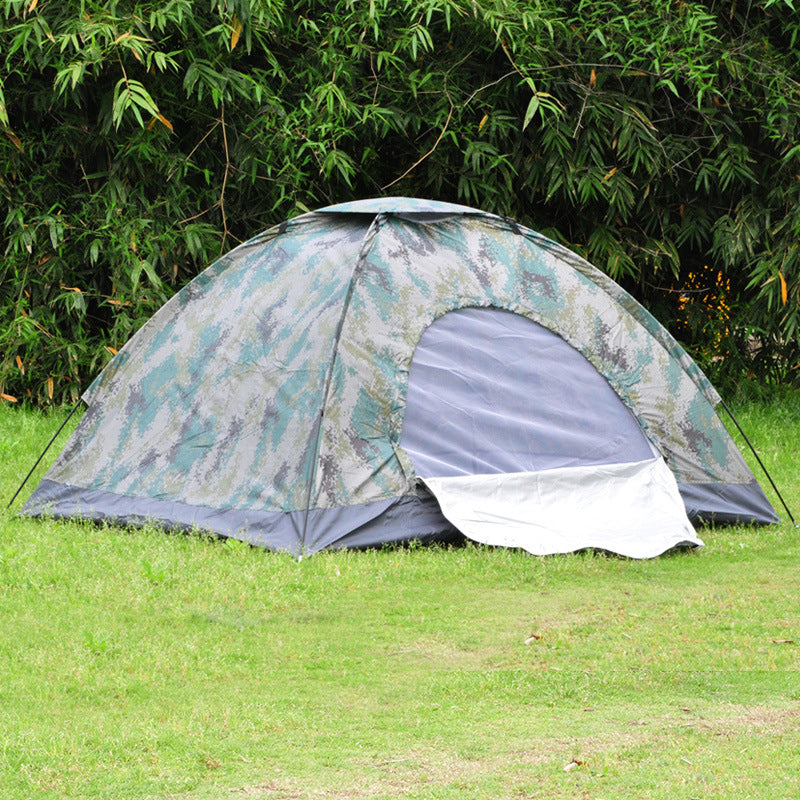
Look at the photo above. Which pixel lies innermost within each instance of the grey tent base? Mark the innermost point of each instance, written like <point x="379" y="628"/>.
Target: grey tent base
<point x="727" y="504"/>
<point x="391" y="521"/>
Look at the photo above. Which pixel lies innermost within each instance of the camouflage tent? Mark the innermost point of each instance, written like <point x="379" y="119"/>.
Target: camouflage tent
<point x="393" y="369"/>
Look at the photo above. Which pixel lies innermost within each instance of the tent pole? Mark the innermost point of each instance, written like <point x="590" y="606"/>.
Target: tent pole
<point x="760" y="462"/>
<point x="44" y="453"/>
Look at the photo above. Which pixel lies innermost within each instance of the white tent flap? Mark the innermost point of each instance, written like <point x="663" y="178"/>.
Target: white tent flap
<point x="631" y="509"/>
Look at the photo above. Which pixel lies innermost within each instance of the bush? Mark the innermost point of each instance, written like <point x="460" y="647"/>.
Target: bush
<point x="142" y="139"/>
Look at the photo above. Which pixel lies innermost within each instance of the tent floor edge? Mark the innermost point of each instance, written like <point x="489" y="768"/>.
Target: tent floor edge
<point x="727" y="504"/>
<point x="391" y="521"/>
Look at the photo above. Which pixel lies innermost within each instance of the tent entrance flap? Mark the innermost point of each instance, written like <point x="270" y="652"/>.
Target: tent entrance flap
<point x="634" y="510"/>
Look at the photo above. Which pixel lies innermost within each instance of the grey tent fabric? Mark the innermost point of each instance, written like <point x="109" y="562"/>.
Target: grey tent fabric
<point x="392" y="521"/>
<point x="491" y="391"/>
<point x="266" y="400"/>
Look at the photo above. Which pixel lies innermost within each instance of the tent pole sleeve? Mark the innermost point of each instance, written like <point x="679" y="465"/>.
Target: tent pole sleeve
<point x="760" y="462"/>
<point x="44" y="453"/>
<point x="365" y="246"/>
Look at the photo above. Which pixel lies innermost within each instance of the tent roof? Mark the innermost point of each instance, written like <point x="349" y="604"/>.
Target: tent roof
<point x="398" y="205"/>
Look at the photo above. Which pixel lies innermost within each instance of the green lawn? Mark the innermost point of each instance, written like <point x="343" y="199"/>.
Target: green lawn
<point x="138" y="664"/>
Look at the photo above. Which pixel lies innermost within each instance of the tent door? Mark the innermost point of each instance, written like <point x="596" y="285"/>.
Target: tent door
<point x="506" y="422"/>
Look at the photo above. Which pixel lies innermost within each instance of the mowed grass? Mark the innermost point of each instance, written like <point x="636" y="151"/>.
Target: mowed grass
<point x="139" y="664"/>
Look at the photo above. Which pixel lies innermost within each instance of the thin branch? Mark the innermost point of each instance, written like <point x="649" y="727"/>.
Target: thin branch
<point x="85" y="176"/>
<point x="194" y="216"/>
<point x="194" y="149"/>
<point x="430" y="152"/>
<point x="221" y="202"/>
<point x="488" y="86"/>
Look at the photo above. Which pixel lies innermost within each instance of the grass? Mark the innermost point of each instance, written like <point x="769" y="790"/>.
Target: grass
<point x="138" y="664"/>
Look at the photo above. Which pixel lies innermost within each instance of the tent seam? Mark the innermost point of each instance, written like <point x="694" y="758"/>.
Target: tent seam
<point x="366" y="245"/>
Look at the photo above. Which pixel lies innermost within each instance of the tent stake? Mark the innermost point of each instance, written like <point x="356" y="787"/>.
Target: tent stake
<point x="44" y="453"/>
<point x="760" y="462"/>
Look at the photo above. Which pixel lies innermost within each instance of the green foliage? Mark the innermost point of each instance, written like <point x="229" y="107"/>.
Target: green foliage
<point x="139" y="140"/>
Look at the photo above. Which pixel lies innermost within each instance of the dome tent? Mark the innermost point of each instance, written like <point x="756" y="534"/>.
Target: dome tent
<point x="393" y="369"/>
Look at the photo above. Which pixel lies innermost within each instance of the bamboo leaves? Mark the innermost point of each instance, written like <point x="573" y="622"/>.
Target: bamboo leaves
<point x="130" y="95"/>
<point x="542" y="103"/>
<point x="649" y="137"/>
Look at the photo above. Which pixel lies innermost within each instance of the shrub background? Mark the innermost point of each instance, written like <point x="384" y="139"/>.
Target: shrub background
<point x="140" y="140"/>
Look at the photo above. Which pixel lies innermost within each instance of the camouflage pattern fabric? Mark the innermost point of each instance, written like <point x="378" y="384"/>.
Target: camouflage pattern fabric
<point x="276" y="380"/>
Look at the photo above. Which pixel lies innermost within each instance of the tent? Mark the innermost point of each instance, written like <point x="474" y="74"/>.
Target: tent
<point x="395" y="369"/>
